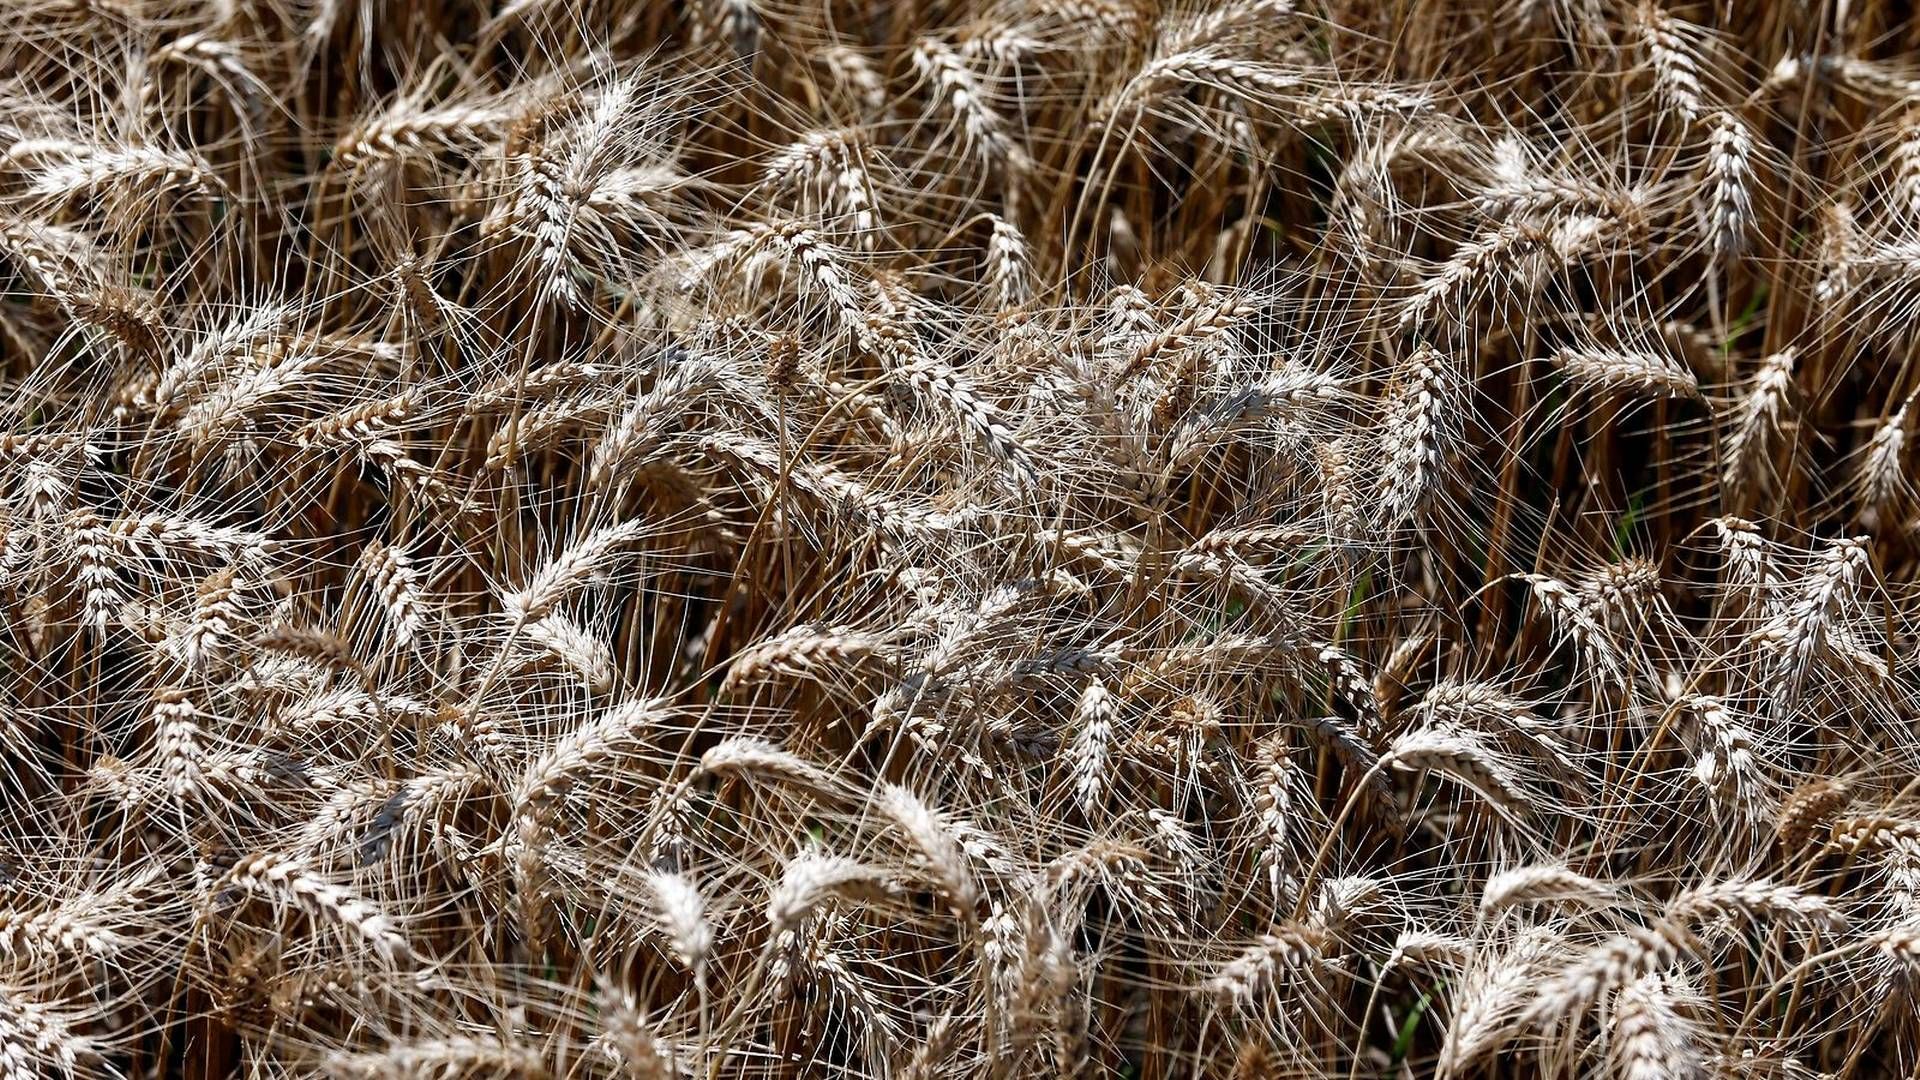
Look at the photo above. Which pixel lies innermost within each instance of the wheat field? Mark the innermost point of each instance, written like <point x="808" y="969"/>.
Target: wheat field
<point x="1309" y="539"/>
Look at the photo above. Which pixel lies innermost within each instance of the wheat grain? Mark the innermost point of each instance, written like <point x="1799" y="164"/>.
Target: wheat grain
<point x="957" y="539"/>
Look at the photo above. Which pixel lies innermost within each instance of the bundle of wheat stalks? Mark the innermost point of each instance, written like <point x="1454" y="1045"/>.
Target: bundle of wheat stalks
<point x="959" y="538"/>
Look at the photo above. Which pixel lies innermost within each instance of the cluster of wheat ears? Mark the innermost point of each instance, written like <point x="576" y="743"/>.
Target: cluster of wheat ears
<point x="959" y="538"/>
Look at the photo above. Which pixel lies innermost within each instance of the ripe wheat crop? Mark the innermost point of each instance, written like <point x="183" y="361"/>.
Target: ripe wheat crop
<point x="932" y="539"/>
